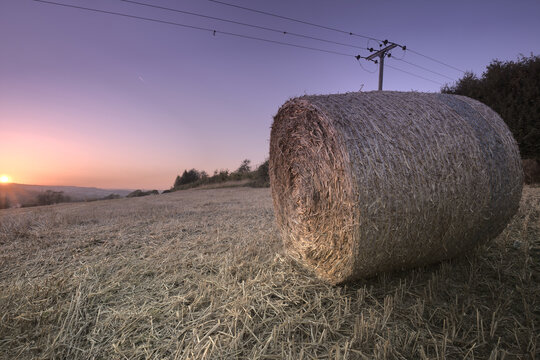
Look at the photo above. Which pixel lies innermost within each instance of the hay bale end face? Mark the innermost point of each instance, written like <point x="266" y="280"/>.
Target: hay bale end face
<point x="364" y="183"/>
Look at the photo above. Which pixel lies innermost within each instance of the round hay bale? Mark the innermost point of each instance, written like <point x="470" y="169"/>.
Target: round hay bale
<point x="364" y="183"/>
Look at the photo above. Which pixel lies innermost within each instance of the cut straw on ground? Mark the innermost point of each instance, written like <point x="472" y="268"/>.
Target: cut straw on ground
<point x="201" y="274"/>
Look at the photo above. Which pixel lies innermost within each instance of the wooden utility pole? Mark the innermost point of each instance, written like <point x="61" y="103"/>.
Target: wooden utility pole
<point x="381" y="54"/>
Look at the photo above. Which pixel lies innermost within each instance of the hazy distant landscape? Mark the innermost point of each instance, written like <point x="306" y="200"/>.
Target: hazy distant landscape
<point x="21" y="194"/>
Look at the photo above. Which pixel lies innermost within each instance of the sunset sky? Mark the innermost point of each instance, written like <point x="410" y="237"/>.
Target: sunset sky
<point x="94" y="99"/>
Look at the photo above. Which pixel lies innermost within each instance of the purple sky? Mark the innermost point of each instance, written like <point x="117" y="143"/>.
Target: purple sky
<point x="99" y="100"/>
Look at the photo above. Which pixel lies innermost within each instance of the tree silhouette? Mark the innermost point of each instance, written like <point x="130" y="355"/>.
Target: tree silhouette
<point x="244" y="167"/>
<point x="512" y="89"/>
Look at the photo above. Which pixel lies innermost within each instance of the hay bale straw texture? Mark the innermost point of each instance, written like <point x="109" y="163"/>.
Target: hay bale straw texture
<point x="369" y="182"/>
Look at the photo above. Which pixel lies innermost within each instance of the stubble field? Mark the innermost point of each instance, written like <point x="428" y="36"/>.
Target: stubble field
<point x="201" y="274"/>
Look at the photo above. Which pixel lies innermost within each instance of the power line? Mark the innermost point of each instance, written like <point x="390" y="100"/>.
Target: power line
<point x="124" y="15"/>
<point x="412" y="74"/>
<point x="437" y="61"/>
<point x="245" y="24"/>
<point x="295" y="20"/>
<point x="213" y="31"/>
<point x="329" y="28"/>
<point x="366" y="70"/>
<point x="423" y="68"/>
<point x="404" y="53"/>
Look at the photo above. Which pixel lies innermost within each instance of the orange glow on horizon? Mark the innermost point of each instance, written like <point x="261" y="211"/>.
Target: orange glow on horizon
<point x="4" y="179"/>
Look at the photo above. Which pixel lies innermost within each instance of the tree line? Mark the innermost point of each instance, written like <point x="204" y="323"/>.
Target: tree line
<point x="192" y="178"/>
<point x="512" y="89"/>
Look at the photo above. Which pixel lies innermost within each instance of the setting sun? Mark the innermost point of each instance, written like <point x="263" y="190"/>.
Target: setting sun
<point x="4" y="179"/>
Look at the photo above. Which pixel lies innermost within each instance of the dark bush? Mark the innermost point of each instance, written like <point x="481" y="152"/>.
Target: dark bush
<point x="244" y="167"/>
<point x="135" y="193"/>
<point x="512" y="89"/>
<point x="50" y="197"/>
<point x="261" y="177"/>
<point x="138" y="193"/>
<point x="111" y="197"/>
<point x="219" y="176"/>
<point x="243" y="171"/>
<point x="177" y="182"/>
<point x="189" y="177"/>
<point x="531" y="171"/>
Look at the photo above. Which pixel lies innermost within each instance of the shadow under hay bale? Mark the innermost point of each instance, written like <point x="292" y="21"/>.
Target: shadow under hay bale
<point x="364" y="183"/>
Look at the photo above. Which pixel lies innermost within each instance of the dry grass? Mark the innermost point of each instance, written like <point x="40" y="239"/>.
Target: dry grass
<point x="200" y="274"/>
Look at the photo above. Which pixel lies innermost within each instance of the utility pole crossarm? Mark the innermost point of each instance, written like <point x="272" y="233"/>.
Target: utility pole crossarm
<point x="381" y="52"/>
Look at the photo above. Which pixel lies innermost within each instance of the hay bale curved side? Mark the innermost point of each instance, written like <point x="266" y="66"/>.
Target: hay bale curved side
<point x="364" y="183"/>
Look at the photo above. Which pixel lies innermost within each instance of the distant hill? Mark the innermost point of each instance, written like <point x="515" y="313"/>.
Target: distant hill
<point x="21" y="194"/>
